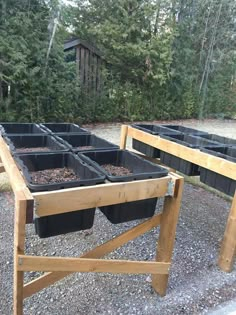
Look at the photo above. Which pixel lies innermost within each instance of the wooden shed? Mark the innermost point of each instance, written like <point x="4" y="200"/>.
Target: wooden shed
<point x="88" y="59"/>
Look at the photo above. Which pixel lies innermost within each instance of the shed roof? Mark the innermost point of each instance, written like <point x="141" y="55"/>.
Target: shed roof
<point x="70" y="44"/>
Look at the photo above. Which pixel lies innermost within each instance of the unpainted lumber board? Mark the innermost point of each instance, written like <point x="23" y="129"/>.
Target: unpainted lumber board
<point x="38" y="263"/>
<point x="228" y="247"/>
<point x="166" y="239"/>
<point x="73" y="199"/>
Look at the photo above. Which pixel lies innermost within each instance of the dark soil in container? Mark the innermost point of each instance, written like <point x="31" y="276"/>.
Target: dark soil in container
<point x="85" y="147"/>
<point x="55" y="175"/>
<point x="41" y="149"/>
<point x="116" y="170"/>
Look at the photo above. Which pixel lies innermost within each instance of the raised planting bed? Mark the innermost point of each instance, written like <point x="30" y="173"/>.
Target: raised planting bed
<point x="215" y="180"/>
<point x="144" y="148"/>
<point x="79" y="143"/>
<point x="63" y="128"/>
<point x="190" y="141"/>
<point x="34" y="143"/>
<point x="57" y="171"/>
<point x="185" y="130"/>
<point x="18" y="128"/>
<point x="123" y="166"/>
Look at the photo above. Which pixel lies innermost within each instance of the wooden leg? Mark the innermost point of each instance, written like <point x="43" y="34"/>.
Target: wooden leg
<point x="123" y="136"/>
<point x="18" y="291"/>
<point x="166" y="240"/>
<point x="19" y="244"/>
<point x="228" y="247"/>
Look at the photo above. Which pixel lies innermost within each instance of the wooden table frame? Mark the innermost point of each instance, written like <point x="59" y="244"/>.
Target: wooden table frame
<point x="210" y="162"/>
<point x="54" y="202"/>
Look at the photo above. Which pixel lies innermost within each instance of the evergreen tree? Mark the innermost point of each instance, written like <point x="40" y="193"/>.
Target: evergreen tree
<point x="41" y="85"/>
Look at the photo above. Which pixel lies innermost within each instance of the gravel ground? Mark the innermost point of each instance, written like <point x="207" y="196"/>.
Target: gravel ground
<point x="196" y="284"/>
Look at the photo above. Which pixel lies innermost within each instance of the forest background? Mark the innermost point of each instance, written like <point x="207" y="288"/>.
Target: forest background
<point x="163" y="59"/>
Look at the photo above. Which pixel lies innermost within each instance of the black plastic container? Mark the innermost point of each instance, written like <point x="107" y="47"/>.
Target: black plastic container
<point x="34" y="142"/>
<point x="147" y="149"/>
<point x="18" y="128"/>
<point x="63" y="128"/>
<point x="190" y="141"/>
<point x="220" y="139"/>
<point x="140" y="168"/>
<point x="80" y="143"/>
<point x="154" y="129"/>
<point x="60" y="223"/>
<point x="215" y="180"/>
<point x="185" y="130"/>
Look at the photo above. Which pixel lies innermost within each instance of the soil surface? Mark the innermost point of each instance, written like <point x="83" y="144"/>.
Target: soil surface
<point x="38" y="149"/>
<point x="116" y="170"/>
<point x="56" y="175"/>
<point x="196" y="284"/>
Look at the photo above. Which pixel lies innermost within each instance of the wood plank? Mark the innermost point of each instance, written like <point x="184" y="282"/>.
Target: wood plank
<point x="166" y="240"/>
<point x="94" y="73"/>
<point x="82" y="60"/>
<point x="99" y="74"/>
<point x="100" y="251"/>
<point x="91" y="72"/>
<point x="228" y="247"/>
<point x="208" y="161"/>
<point x="78" y="61"/>
<point x="124" y="238"/>
<point x="123" y="137"/>
<point x="66" y="200"/>
<point x="86" y="69"/>
<point x="37" y="263"/>
<point x="19" y="245"/>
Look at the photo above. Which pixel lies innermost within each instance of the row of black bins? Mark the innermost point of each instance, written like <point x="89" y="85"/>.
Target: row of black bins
<point x="88" y="166"/>
<point x="54" y="143"/>
<point x="210" y="143"/>
<point x="63" y="141"/>
<point x="54" y="136"/>
<point x="46" y="128"/>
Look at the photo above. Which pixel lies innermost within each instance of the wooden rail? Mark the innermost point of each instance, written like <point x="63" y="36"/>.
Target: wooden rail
<point x="54" y="202"/>
<point x="210" y="162"/>
<point x="195" y="156"/>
